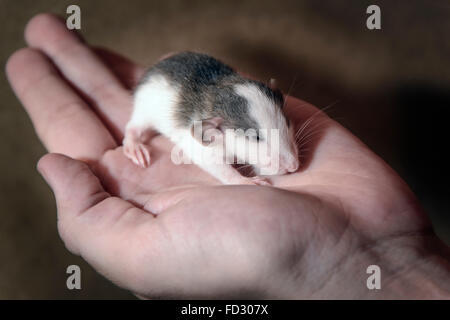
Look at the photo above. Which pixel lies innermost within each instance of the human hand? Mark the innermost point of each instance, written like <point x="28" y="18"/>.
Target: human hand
<point x="173" y="231"/>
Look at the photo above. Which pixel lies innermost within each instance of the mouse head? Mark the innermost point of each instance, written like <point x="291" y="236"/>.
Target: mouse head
<point x="274" y="135"/>
<point x="254" y="128"/>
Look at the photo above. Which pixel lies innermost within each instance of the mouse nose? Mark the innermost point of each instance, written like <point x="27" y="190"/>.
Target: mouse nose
<point x="293" y="166"/>
<point x="289" y="165"/>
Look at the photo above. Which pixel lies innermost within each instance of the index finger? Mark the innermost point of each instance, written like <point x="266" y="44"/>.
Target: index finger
<point x="63" y="121"/>
<point x="83" y="68"/>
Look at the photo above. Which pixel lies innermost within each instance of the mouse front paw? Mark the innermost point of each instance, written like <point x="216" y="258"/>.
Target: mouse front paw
<point x="137" y="152"/>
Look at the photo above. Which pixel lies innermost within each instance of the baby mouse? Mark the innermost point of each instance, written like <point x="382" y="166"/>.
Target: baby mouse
<point x="189" y="97"/>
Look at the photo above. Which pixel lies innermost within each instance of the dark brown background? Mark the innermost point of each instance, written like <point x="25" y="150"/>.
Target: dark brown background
<point x="390" y="87"/>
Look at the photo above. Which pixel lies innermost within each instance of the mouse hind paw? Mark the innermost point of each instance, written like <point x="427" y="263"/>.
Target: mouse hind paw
<point x="260" y="181"/>
<point x="256" y="180"/>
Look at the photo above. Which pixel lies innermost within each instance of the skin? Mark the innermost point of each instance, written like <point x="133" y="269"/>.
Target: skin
<point x="312" y="235"/>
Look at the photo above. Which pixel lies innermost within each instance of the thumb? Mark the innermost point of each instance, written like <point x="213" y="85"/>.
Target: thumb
<point x="75" y="187"/>
<point x="108" y="232"/>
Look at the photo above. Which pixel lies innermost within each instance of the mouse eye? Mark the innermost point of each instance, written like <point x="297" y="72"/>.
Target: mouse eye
<point x="256" y="138"/>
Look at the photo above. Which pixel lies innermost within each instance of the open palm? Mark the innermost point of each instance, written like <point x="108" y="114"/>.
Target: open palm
<point x="173" y="230"/>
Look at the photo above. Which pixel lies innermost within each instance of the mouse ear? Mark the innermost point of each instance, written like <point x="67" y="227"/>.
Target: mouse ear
<point x="212" y="125"/>
<point x="273" y="84"/>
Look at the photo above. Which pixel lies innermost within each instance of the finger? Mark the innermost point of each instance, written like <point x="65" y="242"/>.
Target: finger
<point x="125" y="70"/>
<point x="83" y="68"/>
<point x="63" y="122"/>
<point x="108" y="232"/>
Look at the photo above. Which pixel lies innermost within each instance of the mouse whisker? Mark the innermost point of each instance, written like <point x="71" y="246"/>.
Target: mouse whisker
<point x="291" y="87"/>
<point x="311" y="130"/>
<point x="307" y="137"/>
<point x="303" y="127"/>
<point x="312" y="117"/>
<point x="304" y="143"/>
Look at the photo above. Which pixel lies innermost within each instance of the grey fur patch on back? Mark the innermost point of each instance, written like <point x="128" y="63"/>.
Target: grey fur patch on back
<point x="207" y="90"/>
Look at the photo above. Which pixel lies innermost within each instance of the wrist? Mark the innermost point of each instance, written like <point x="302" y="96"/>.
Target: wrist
<point x="411" y="267"/>
<point x="424" y="272"/>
